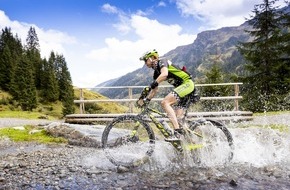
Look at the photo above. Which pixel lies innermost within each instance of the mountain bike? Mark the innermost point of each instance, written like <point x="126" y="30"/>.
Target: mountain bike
<point x="129" y="140"/>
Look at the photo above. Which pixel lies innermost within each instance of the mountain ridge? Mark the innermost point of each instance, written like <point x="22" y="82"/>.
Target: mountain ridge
<point x="209" y="47"/>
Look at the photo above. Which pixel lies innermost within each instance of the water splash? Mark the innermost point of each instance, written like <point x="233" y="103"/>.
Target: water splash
<point x="260" y="146"/>
<point x="96" y="158"/>
<point x="256" y="146"/>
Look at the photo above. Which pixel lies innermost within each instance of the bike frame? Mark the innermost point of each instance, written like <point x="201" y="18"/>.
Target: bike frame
<point x="149" y="112"/>
<point x="188" y="142"/>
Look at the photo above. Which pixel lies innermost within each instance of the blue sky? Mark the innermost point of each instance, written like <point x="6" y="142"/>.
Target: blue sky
<point x="103" y="39"/>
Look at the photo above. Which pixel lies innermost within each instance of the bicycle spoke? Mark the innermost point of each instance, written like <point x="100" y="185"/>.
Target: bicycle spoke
<point x="128" y="141"/>
<point x="216" y="141"/>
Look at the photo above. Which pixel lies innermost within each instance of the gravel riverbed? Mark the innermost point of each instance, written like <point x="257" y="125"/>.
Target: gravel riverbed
<point x="37" y="166"/>
<point x="34" y="166"/>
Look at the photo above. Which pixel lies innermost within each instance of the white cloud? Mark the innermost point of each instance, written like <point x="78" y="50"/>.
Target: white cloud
<point x="161" y="4"/>
<point x="109" y="8"/>
<point x="48" y="39"/>
<point x="123" y="26"/>
<point x="216" y="14"/>
<point x="122" y="56"/>
<point x="53" y="40"/>
<point x="161" y="36"/>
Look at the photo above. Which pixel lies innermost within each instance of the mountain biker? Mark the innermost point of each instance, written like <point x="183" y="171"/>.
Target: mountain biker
<point x="164" y="70"/>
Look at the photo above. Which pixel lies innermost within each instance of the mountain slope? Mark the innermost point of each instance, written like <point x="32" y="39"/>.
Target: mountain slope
<point x="210" y="47"/>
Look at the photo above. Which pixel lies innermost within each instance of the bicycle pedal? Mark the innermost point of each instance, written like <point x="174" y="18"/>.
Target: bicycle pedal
<point x="133" y="139"/>
<point x="172" y="140"/>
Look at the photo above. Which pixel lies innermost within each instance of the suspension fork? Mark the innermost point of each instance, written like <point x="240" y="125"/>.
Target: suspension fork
<point x="135" y="128"/>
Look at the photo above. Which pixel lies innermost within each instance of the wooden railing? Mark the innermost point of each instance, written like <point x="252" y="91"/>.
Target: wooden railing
<point x="82" y="100"/>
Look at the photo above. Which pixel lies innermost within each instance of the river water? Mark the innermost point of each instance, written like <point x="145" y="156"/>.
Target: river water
<point x="261" y="159"/>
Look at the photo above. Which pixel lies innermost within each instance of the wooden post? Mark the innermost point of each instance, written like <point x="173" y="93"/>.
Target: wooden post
<point x="236" y="100"/>
<point x="82" y="105"/>
<point x="130" y="97"/>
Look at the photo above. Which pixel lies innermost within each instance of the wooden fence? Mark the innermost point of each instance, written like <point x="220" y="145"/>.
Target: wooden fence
<point x="233" y="115"/>
<point x="82" y="101"/>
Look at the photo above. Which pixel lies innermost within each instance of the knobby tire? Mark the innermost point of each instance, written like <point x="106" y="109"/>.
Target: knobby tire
<point x="217" y="139"/>
<point x="128" y="141"/>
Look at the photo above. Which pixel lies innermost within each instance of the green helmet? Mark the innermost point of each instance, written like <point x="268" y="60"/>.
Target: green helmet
<point x="149" y="54"/>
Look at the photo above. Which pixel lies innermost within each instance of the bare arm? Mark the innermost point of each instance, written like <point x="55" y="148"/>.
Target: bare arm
<point x="152" y="93"/>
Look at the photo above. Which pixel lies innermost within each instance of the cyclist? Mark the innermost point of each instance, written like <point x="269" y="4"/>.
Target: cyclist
<point x="164" y="70"/>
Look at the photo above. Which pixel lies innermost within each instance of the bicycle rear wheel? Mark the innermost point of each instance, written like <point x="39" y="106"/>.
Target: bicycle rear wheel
<point x="215" y="139"/>
<point x="128" y="141"/>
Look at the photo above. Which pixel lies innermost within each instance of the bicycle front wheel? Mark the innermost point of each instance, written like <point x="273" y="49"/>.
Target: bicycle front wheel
<point x="215" y="139"/>
<point x="128" y="141"/>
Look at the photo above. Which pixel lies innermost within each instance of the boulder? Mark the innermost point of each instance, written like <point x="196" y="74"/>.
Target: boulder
<point x="79" y="135"/>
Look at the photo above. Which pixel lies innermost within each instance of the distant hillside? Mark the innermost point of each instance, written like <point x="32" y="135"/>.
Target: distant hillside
<point x="139" y="77"/>
<point x="55" y="109"/>
<point x="103" y="107"/>
<point x="108" y="83"/>
<point x="210" y="47"/>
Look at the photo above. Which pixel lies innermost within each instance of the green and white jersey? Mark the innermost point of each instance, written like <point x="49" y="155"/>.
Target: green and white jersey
<point x="176" y="76"/>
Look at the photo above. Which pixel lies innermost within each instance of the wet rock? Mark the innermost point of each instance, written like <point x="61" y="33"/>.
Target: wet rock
<point x="76" y="135"/>
<point x="233" y="182"/>
<point x="43" y="117"/>
<point x="122" y="169"/>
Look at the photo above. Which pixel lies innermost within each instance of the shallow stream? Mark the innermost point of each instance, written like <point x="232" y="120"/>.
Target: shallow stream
<point x="261" y="161"/>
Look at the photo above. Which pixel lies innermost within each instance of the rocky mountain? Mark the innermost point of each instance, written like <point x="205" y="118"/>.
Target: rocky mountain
<point x="210" y="47"/>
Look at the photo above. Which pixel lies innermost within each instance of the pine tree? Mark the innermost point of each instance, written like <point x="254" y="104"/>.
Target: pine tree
<point x="10" y="54"/>
<point x="33" y="53"/>
<point x="284" y="69"/>
<point x="23" y="72"/>
<point x="262" y="84"/>
<point x="49" y="83"/>
<point x="215" y="75"/>
<point x="66" y="92"/>
<point x="5" y="68"/>
<point x="25" y="91"/>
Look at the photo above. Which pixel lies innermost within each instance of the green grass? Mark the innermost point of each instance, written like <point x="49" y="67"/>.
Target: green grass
<point x="24" y="115"/>
<point x="30" y="134"/>
<point x="9" y="108"/>
<point x="271" y="113"/>
<point x="101" y="107"/>
<point x="280" y="127"/>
